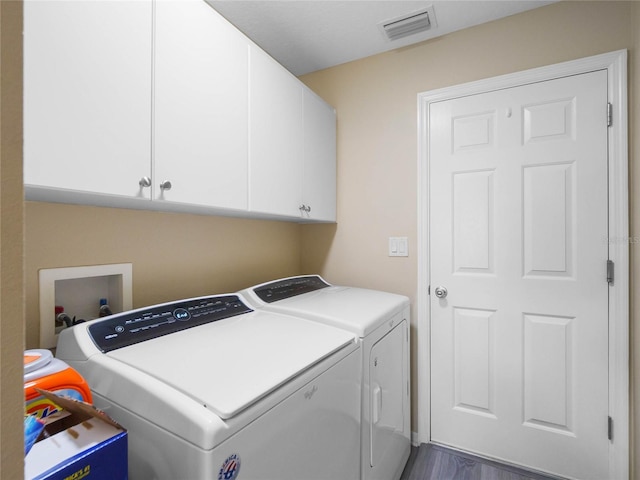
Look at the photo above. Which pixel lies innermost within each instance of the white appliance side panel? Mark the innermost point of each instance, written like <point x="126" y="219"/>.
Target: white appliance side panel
<point x="313" y="434"/>
<point x="387" y="405"/>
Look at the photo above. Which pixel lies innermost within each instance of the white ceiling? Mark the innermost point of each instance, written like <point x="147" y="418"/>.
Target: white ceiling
<point x="309" y="35"/>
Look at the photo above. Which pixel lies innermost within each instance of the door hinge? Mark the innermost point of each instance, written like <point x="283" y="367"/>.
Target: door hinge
<point x="610" y="271"/>
<point x="610" y="428"/>
<point x="609" y="114"/>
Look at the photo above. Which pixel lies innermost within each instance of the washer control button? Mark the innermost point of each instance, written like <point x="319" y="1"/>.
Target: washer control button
<point x="181" y="314"/>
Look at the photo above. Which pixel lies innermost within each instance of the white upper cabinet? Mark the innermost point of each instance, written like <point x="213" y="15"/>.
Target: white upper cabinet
<point x="292" y="160"/>
<point x="163" y="104"/>
<point x="87" y="95"/>
<point x="319" y="167"/>
<point x="201" y="107"/>
<point x="276" y="137"/>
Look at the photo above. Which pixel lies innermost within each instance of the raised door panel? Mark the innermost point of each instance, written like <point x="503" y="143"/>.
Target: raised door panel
<point x="319" y="169"/>
<point x="201" y="107"/>
<point x="87" y="95"/>
<point x="276" y="137"/>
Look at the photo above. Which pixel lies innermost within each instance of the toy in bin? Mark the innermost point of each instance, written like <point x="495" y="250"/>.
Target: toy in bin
<point x="43" y="371"/>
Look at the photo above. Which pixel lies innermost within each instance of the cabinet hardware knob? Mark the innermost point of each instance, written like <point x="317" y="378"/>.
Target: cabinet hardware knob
<point x="166" y="185"/>
<point x="144" y="182"/>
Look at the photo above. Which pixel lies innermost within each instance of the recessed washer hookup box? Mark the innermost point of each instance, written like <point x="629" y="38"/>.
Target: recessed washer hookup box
<point x="81" y="442"/>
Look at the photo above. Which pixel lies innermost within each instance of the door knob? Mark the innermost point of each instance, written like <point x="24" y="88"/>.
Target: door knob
<point x="145" y="182"/>
<point x="441" y="292"/>
<point x="166" y="185"/>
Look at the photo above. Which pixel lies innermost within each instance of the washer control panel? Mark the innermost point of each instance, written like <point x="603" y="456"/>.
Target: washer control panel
<point x="124" y="329"/>
<point x="290" y="287"/>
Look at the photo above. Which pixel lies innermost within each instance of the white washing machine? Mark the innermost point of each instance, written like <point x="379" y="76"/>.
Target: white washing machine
<point x="381" y="322"/>
<point x="210" y="389"/>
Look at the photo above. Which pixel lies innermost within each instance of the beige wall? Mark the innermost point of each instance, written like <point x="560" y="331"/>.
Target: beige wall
<point x="376" y="103"/>
<point x="11" y="248"/>
<point x="174" y="256"/>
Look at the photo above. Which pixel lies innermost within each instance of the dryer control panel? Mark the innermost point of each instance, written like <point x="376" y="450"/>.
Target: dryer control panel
<point x="289" y="287"/>
<point x="124" y="329"/>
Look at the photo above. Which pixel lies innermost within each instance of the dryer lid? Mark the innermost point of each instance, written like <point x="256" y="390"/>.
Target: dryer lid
<point x="358" y="310"/>
<point x="230" y="364"/>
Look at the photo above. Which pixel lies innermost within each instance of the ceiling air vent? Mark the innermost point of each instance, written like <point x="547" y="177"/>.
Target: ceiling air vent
<point x="406" y="25"/>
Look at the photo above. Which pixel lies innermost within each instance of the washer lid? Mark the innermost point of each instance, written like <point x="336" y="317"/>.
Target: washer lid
<point x="232" y="363"/>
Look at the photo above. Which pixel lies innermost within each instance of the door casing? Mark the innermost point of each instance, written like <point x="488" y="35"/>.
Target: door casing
<point x="616" y="65"/>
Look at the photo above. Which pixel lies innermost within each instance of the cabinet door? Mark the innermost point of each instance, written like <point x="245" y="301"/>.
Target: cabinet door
<point x="319" y="168"/>
<point x="276" y="137"/>
<point x="201" y="106"/>
<point x="87" y="95"/>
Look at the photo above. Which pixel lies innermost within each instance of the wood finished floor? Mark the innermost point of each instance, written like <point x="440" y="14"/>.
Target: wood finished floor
<point x="434" y="462"/>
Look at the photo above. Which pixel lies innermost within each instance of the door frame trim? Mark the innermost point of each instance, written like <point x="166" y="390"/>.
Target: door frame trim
<point x="615" y="63"/>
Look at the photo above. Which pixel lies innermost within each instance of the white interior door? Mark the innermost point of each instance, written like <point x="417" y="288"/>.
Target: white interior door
<point x="518" y="215"/>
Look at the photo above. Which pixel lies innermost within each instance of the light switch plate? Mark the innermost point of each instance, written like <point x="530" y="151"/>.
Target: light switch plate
<point x="398" y="247"/>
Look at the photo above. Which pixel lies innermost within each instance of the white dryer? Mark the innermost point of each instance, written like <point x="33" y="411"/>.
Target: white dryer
<point x="209" y="388"/>
<point x="381" y="322"/>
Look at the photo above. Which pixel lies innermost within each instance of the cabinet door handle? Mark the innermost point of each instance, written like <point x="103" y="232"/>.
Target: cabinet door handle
<point x="166" y="185"/>
<point x="144" y="182"/>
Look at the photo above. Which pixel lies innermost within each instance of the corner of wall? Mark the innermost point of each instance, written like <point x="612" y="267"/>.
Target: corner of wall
<point x="11" y="241"/>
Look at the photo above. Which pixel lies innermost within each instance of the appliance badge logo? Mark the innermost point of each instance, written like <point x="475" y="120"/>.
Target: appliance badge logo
<point x="230" y="468"/>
